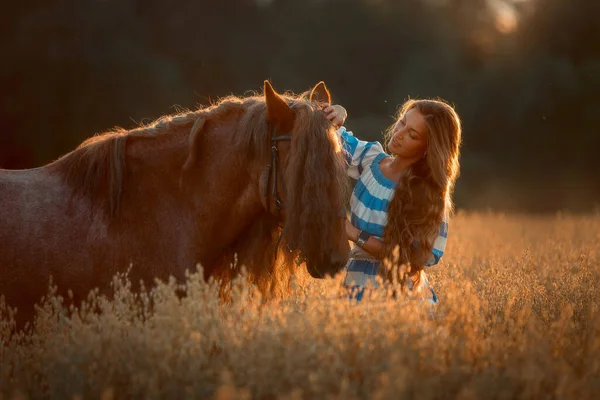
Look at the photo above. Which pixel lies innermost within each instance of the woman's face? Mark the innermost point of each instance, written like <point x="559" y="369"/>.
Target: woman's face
<point x="410" y="134"/>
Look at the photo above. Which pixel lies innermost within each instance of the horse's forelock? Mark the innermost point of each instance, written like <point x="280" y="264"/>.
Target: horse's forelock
<point x="316" y="185"/>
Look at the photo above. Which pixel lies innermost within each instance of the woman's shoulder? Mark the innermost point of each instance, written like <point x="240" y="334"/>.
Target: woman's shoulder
<point x="375" y="166"/>
<point x="343" y="131"/>
<point x="363" y="152"/>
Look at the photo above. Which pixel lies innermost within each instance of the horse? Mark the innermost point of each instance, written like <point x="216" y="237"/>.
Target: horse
<point x="259" y="179"/>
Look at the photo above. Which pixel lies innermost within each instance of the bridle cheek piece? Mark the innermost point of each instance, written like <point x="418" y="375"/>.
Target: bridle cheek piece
<point x="272" y="173"/>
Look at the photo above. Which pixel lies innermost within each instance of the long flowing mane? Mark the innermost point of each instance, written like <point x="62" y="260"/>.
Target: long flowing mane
<point x="314" y="177"/>
<point x="97" y="166"/>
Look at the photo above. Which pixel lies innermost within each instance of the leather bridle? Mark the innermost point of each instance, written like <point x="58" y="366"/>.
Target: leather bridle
<point x="272" y="176"/>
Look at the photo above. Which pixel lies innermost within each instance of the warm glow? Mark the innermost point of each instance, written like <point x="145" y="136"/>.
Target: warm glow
<point x="506" y="17"/>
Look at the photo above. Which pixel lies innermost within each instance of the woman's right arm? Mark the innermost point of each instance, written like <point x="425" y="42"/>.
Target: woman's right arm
<point x="336" y="114"/>
<point x="359" y="153"/>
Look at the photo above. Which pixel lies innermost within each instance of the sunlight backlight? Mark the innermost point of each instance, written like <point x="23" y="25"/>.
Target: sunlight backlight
<point x="506" y="17"/>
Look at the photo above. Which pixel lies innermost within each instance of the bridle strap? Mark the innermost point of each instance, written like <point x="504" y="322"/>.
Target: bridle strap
<point x="272" y="170"/>
<point x="282" y="137"/>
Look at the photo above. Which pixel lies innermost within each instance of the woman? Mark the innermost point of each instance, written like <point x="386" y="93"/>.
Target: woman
<point x="401" y="202"/>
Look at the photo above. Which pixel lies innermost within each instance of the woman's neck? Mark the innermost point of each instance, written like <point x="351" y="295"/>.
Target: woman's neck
<point x="396" y="167"/>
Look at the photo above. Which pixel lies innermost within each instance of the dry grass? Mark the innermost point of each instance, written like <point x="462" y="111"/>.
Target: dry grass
<point x="518" y="318"/>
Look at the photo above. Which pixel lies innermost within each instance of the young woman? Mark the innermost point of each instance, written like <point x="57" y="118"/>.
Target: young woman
<point x="402" y="199"/>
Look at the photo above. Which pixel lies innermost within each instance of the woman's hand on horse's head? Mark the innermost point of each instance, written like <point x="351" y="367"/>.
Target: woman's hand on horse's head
<point x="336" y="114"/>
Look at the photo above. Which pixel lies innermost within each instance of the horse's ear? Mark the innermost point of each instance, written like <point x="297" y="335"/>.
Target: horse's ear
<point x="320" y="93"/>
<point x="278" y="110"/>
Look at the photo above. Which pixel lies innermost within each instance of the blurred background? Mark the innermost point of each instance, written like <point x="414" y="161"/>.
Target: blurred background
<point x="524" y="76"/>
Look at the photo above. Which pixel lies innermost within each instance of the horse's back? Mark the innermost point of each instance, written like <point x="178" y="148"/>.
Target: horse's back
<point x="35" y="233"/>
<point x="28" y="200"/>
<point x="48" y="230"/>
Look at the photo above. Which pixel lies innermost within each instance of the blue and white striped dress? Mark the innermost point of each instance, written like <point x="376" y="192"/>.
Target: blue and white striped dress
<point x="368" y="206"/>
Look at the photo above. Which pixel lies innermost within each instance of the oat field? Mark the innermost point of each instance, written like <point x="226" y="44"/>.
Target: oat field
<point x="518" y="318"/>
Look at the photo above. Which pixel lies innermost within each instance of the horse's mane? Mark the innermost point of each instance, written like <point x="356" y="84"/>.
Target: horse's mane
<point x="96" y="168"/>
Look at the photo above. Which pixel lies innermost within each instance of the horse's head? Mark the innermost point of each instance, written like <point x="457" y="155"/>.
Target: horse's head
<point x="305" y="182"/>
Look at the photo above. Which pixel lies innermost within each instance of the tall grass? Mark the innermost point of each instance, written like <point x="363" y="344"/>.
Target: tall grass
<point x="518" y="318"/>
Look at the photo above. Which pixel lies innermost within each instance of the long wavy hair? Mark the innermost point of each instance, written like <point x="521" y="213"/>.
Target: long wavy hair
<point x="423" y="197"/>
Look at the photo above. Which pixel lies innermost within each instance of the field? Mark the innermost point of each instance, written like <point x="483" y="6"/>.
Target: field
<point x="518" y="318"/>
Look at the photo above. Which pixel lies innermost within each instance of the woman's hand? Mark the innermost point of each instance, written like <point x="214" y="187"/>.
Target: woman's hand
<point x="351" y="231"/>
<point x="336" y="114"/>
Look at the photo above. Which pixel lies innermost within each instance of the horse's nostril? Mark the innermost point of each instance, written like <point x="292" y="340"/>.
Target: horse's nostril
<point x="314" y="271"/>
<point x="329" y="265"/>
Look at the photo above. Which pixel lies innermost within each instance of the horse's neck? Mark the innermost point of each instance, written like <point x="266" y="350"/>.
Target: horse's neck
<point x="218" y="195"/>
<point x="154" y="163"/>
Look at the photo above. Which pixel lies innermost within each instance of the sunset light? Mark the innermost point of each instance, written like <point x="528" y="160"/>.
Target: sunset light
<point x="318" y="199"/>
<point x="506" y="17"/>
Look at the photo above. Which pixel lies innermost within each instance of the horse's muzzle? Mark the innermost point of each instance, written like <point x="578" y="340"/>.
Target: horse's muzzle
<point x="322" y="269"/>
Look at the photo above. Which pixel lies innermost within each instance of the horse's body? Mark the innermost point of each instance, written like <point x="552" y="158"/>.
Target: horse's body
<point x="121" y="201"/>
<point x="50" y="229"/>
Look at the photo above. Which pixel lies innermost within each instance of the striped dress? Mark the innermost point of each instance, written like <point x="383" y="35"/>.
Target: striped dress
<point x="368" y="206"/>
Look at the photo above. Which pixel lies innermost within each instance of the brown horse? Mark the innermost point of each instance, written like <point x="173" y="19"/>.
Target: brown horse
<point x="261" y="177"/>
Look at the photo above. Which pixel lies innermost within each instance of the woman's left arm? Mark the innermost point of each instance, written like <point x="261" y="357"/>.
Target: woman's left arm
<point x="374" y="246"/>
<point x="439" y="245"/>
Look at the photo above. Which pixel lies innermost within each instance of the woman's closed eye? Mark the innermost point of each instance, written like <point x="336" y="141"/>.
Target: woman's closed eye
<point x="412" y="133"/>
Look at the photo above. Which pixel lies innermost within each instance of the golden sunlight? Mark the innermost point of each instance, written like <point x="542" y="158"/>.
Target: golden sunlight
<point x="506" y="17"/>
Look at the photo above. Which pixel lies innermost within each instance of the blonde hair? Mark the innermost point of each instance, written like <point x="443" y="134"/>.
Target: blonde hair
<point x="424" y="195"/>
